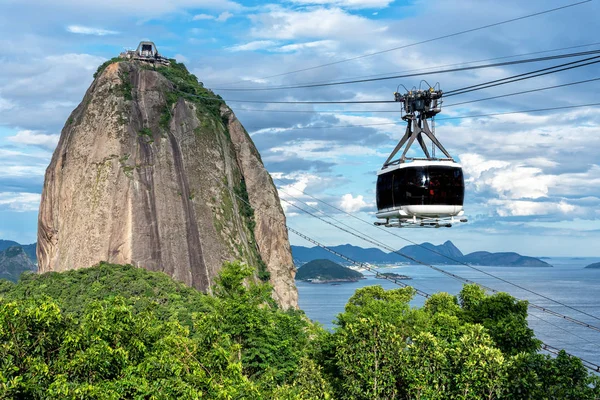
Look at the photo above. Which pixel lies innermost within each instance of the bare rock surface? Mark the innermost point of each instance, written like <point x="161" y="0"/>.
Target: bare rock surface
<point x="147" y="172"/>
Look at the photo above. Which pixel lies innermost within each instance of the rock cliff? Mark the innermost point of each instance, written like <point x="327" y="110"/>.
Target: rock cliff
<point x="153" y="170"/>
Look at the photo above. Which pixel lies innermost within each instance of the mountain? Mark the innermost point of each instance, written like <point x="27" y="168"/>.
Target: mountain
<point x="304" y="254"/>
<point x="5" y="244"/>
<point x="433" y="254"/>
<point x="29" y="248"/>
<point x="503" y="260"/>
<point x="594" y="266"/>
<point x="326" y="271"/>
<point x="149" y="170"/>
<point x="446" y="253"/>
<point x="13" y="262"/>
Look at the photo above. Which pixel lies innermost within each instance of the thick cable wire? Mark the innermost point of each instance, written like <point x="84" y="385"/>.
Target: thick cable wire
<point x="520" y="77"/>
<point x="588" y="364"/>
<point x="425" y="41"/>
<point x="522" y="92"/>
<point x="389" y="248"/>
<point x="459" y="69"/>
<point x="396" y="281"/>
<point x="258" y="130"/>
<point x="453" y="64"/>
<point x="396" y="111"/>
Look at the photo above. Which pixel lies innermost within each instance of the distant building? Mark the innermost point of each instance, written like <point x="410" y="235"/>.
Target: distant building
<point x="146" y="51"/>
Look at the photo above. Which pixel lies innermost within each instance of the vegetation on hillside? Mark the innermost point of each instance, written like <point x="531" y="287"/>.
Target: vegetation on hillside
<point x="186" y="85"/>
<point x="112" y="332"/>
<point x="326" y="270"/>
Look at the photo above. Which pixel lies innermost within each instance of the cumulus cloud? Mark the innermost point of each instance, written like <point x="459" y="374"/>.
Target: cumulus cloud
<point x="330" y="23"/>
<point x="20" y="202"/>
<point x="35" y="138"/>
<point x="181" y="58"/>
<point x="45" y="89"/>
<point x="86" y="30"/>
<point x="522" y="208"/>
<point x="288" y="48"/>
<point x="348" y="3"/>
<point x="254" y="45"/>
<point x="140" y="8"/>
<point x="5" y="105"/>
<point x="353" y="204"/>
<point x="224" y="16"/>
<point x="200" y="17"/>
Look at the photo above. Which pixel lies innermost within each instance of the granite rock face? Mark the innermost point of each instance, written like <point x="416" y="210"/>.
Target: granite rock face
<point x="150" y="172"/>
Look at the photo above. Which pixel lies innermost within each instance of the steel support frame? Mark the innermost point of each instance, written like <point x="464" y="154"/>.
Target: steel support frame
<point x="416" y="127"/>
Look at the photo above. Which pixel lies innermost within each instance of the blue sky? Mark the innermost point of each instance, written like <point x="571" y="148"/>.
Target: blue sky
<point x="533" y="180"/>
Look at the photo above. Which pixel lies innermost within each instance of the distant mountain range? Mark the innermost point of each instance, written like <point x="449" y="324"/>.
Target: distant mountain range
<point x="16" y="259"/>
<point x="594" y="266"/>
<point x="29" y="248"/>
<point x="446" y="253"/>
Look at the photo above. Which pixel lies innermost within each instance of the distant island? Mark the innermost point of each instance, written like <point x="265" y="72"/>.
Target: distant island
<point x="326" y="271"/>
<point x="393" y="275"/>
<point x="594" y="266"/>
<point x="446" y="253"/>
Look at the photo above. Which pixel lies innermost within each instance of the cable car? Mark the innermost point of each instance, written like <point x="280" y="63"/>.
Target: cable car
<point x="420" y="192"/>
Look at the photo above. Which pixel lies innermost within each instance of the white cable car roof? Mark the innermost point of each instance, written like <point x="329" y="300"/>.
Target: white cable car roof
<point x="419" y="163"/>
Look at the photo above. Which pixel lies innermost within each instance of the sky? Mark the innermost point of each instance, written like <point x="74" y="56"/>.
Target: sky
<point x="532" y="179"/>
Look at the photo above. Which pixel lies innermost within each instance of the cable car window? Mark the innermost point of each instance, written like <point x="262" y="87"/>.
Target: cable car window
<point x="446" y="185"/>
<point x="384" y="191"/>
<point x="421" y="185"/>
<point x="416" y="186"/>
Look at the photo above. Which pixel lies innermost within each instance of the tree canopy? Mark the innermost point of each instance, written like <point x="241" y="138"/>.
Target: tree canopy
<point x="113" y="332"/>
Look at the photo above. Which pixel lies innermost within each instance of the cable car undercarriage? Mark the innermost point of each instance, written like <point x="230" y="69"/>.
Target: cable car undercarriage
<point x="420" y="192"/>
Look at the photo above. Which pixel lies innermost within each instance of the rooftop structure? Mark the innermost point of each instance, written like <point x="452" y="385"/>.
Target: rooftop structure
<point x="146" y="51"/>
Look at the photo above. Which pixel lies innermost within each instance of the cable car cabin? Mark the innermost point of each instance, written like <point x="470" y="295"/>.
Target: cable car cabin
<point x="420" y="193"/>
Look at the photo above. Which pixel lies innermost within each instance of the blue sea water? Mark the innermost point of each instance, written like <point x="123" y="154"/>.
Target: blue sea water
<point x="567" y="282"/>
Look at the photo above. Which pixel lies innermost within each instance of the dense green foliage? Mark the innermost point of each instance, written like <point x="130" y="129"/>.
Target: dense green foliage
<point x="326" y="270"/>
<point x="187" y="86"/>
<point x="112" y="332"/>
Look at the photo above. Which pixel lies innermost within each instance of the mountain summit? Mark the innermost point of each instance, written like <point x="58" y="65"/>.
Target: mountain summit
<point x="150" y="170"/>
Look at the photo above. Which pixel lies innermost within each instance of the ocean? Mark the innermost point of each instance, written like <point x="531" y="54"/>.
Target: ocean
<point x="568" y="282"/>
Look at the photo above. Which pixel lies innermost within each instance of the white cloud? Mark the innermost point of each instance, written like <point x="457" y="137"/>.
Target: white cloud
<point x="224" y="16"/>
<point x="200" y="17"/>
<point x="35" y="138"/>
<point x="86" y="30"/>
<point x="181" y="58"/>
<point x="255" y="45"/>
<point x="522" y="208"/>
<point x="20" y="202"/>
<point x="474" y="165"/>
<point x="288" y="48"/>
<point x="327" y="23"/>
<point x="139" y="8"/>
<point x="5" y="105"/>
<point x="353" y="204"/>
<point x="45" y="90"/>
<point x="348" y="3"/>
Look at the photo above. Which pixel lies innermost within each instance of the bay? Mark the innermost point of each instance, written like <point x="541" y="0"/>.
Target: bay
<point x="567" y="282"/>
